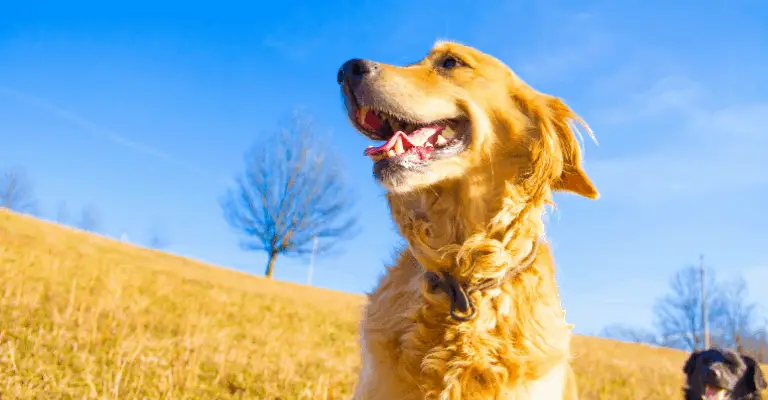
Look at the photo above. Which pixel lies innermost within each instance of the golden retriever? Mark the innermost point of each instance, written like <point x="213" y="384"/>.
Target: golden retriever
<point x="471" y="156"/>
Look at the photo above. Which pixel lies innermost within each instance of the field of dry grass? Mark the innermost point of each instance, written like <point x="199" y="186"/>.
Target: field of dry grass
<point x="83" y="316"/>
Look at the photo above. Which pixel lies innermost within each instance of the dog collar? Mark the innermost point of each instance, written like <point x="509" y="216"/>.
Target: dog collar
<point x="462" y="308"/>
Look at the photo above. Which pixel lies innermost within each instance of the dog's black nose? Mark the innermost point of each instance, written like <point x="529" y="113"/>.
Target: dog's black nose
<point x="356" y="70"/>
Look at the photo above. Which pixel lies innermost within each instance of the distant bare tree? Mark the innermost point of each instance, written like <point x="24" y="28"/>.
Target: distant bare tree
<point x="62" y="213"/>
<point x="733" y="315"/>
<point x="157" y="238"/>
<point x="16" y="191"/>
<point x="734" y="321"/>
<point x="630" y="334"/>
<point x="89" y="219"/>
<point x="292" y="190"/>
<point x="678" y="314"/>
<point x="756" y="344"/>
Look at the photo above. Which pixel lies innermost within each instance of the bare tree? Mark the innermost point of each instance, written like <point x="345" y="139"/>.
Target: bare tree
<point x="292" y="190"/>
<point x="678" y="314"/>
<point x="157" y="238"/>
<point x="16" y="191"/>
<point x="89" y="219"/>
<point x="756" y="344"/>
<point x="62" y="213"/>
<point x="733" y="315"/>
<point x="630" y="334"/>
<point x="734" y="321"/>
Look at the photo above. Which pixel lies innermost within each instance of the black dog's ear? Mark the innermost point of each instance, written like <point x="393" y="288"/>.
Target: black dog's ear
<point x="690" y="365"/>
<point x="735" y="359"/>
<point x="755" y="373"/>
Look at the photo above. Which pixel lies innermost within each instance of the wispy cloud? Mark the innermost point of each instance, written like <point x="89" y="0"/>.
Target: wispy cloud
<point x="669" y="95"/>
<point x="295" y="50"/>
<point x="706" y="148"/>
<point x="577" y="44"/>
<point x="107" y="134"/>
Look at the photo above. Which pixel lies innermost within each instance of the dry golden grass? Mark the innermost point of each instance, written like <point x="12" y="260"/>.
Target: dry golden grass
<point x="82" y="316"/>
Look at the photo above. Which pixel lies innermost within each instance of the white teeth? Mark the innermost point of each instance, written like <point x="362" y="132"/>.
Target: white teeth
<point x="391" y="153"/>
<point x="448" y="132"/>
<point x="428" y="144"/>
<point x="399" y="146"/>
<point x="440" y="140"/>
<point x="361" y="116"/>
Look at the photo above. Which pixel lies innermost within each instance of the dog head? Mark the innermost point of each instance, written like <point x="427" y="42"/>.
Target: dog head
<point x="718" y="374"/>
<point x="459" y="113"/>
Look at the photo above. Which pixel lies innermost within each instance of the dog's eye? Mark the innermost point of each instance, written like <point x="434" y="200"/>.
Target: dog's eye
<point x="449" y="62"/>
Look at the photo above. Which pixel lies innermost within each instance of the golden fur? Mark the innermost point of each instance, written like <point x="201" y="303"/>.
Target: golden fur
<point x="476" y="215"/>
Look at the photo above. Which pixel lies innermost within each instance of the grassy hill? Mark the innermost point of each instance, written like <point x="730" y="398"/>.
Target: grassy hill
<point x="82" y="316"/>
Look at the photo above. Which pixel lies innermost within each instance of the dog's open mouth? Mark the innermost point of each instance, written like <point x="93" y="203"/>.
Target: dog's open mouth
<point x="417" y="143"/>
<point x="714" y="393"/>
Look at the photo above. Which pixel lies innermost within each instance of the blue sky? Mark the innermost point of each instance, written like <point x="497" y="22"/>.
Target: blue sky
<point x="145" y="111"/>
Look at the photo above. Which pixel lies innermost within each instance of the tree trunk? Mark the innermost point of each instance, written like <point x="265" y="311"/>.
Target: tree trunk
<point x="270" y="265"/>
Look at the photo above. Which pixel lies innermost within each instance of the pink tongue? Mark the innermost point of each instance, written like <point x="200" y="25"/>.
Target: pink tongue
<point x="415" y="139"/>
<point x="712" y="393"/>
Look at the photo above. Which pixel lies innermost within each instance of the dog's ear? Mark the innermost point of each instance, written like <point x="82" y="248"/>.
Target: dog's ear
<point x="573" y="178"/>
<point x="690" y="365"/>
<point x="735" y="358"/>
<point x="754" y="374"/>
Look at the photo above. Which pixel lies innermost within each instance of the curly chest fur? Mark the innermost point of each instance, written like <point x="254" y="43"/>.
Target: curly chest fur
<point x="513" y="349"/>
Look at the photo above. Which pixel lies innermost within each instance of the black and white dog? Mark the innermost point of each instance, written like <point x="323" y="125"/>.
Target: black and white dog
<point x="718" y="374"/>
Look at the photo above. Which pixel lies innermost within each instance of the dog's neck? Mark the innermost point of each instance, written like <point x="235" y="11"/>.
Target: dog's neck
<point x="460" y="225"/>
<point x="477" y="233"/>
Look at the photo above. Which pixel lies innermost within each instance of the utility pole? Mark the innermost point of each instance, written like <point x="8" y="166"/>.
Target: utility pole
<point x="311" y="261"/>
<point x="704" y="316"/>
